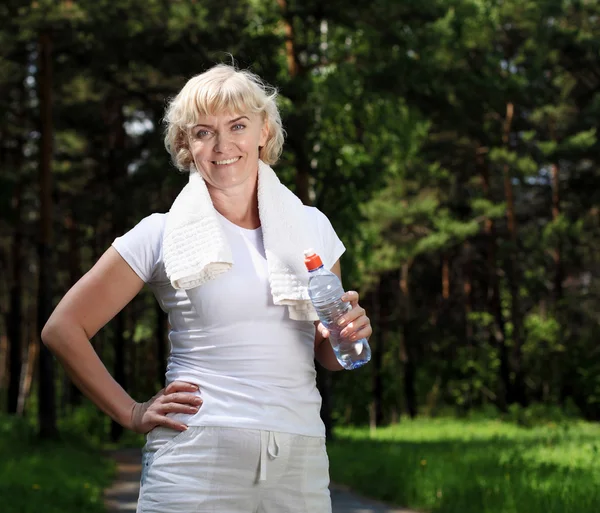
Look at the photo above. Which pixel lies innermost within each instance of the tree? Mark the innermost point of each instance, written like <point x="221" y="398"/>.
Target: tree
<point x="46" y="390"/>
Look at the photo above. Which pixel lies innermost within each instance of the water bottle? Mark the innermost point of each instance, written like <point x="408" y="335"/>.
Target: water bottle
<point x="326" y="291"/>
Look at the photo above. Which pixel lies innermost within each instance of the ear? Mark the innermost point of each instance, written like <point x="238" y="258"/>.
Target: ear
<point x="264" y="134"/>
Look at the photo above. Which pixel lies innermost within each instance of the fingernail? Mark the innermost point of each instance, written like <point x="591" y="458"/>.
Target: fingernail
<point x="344" y="297"/>
<point x="341" y="321"/>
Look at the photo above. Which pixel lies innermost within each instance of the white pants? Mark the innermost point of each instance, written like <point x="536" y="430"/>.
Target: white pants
<point x="229" y="470"/>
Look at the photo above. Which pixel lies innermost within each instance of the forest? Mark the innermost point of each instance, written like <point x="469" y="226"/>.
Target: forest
<point x="452" y="143"/>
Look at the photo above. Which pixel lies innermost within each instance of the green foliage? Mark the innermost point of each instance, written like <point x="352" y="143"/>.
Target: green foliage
<point x="86" y="424"/>
<point x="543" y="335"/>
<point x="580" y="141"/>
<point x="486" y="208"/>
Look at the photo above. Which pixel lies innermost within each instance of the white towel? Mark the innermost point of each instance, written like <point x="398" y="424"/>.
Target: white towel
<point x="195" y="249"/>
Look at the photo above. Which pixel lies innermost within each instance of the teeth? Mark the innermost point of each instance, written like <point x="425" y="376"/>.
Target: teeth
<point x="223" y="162"/>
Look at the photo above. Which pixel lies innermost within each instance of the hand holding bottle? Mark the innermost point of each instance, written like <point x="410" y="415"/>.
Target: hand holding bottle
<point x="355" y="324"/>
<point x="343" y="321"/>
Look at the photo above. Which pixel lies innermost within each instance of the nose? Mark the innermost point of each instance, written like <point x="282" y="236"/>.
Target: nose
<point x="222" y="143"/>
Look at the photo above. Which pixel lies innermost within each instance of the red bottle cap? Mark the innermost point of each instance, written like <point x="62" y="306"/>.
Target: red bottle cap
<point x="312" y="260"/>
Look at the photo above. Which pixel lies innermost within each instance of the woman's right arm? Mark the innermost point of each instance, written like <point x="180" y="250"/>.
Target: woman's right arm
<point x="91" y="303"/>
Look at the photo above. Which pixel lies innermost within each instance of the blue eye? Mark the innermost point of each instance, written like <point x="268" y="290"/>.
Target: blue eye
<point x="201" y="134"/>
<point x="239" y="126"/>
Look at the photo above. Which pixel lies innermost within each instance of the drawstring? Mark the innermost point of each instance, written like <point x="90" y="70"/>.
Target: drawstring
<point x="268" y="448"/>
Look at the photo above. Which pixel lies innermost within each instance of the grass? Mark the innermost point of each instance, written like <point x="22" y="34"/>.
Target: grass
<point x="64" y="476"/>
<point x="473" y="466"/>
<point x="434" y="465"/>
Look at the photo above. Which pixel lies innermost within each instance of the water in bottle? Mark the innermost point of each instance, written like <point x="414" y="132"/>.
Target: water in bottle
<point x="326" y="291"/>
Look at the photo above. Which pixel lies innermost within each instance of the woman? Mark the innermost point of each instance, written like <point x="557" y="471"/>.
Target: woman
<point x="237" y="428"/>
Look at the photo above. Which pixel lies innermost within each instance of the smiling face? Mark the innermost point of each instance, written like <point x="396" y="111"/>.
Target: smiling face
<point x="225" y="148"/>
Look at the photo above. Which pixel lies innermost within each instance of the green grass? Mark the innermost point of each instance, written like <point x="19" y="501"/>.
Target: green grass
<point x="473" y="466"/>
<point x="64" y="476"/>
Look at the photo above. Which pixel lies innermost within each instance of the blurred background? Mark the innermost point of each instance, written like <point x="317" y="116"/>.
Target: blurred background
<point x="452" y="143"/>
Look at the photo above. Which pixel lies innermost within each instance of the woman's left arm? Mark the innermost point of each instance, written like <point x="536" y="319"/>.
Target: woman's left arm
<point x="356" y="325"/>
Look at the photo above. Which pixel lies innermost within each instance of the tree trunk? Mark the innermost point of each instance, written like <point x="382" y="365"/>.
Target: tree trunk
<point x="14" y="319"/>
<point x="377" y="298"/>
<point x="468" y="292"/>
<point x="467" y="276"/>
<point x="299" y="121"/>
<point x="3" y="359"/>
<point x="73" y="393"/>
<point x="556" y="368"/>
<point x="290" y="50"/>
<point x="116" y="429"/>
<point x="161" y="344"/>
<point x="445" y="276"/>
<point x="302" y="164"/>
<point x="410" y="389"/>
<point x="557" y="253"/>
<point x="494" y="306"/>
<point x="46" y="391"/>
<point x="27" y="371"/>
<point x="15" y="316"/>
<point x="406" y="350"/>
<point x="517" y="390"/>
<point x="117" y="171"/>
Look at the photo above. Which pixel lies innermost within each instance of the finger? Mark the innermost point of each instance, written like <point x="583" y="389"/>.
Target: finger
<point x="172" y="424"/>
<point x="351" y="315"/>
<point x="324" y="331"/>
<point x="364" y="332"/>
<point x="182" y="397"/>
<point x="355" y="326"/>
<point x="178" y="408"/>
<point x="351" y="297"/>
<point x="181" y="386"/>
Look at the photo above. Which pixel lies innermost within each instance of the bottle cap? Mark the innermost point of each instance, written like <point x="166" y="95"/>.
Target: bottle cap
<point x="312" y="260"/>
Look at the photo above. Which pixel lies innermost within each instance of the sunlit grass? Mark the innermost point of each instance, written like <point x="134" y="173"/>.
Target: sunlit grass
<point x="473" y="466"/>
<point x="65" y="476"/>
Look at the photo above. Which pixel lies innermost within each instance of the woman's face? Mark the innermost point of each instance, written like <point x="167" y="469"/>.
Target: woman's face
<point x="225" y="148"/>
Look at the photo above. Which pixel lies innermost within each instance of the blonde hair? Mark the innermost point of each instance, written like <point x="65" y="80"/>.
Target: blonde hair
<point x="221" y="89"/>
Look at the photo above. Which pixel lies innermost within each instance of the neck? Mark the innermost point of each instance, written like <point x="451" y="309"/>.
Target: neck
<point x="239" y="205"/>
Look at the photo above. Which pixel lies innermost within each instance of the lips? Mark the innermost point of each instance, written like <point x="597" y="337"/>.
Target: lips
<point x="226" y="162"/>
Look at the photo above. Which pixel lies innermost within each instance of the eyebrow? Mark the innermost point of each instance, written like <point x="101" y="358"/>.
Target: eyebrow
<point x="229" y="122"/>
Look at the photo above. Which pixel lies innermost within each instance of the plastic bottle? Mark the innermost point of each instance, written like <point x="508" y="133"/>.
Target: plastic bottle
<point x="326" y="291"/>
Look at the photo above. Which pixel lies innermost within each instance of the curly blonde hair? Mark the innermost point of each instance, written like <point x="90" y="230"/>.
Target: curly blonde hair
<point x="221" y="89"/>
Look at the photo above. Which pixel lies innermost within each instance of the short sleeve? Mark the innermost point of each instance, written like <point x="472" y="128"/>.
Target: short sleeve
<point x="332" y="246"/>
<point x="141" y="247"/>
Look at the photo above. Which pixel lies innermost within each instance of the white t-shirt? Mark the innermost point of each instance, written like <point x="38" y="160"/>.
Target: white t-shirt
<point x="254" y="366"/>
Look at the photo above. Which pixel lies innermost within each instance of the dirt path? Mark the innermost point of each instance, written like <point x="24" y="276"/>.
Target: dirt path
<point x="122" y="495"/>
